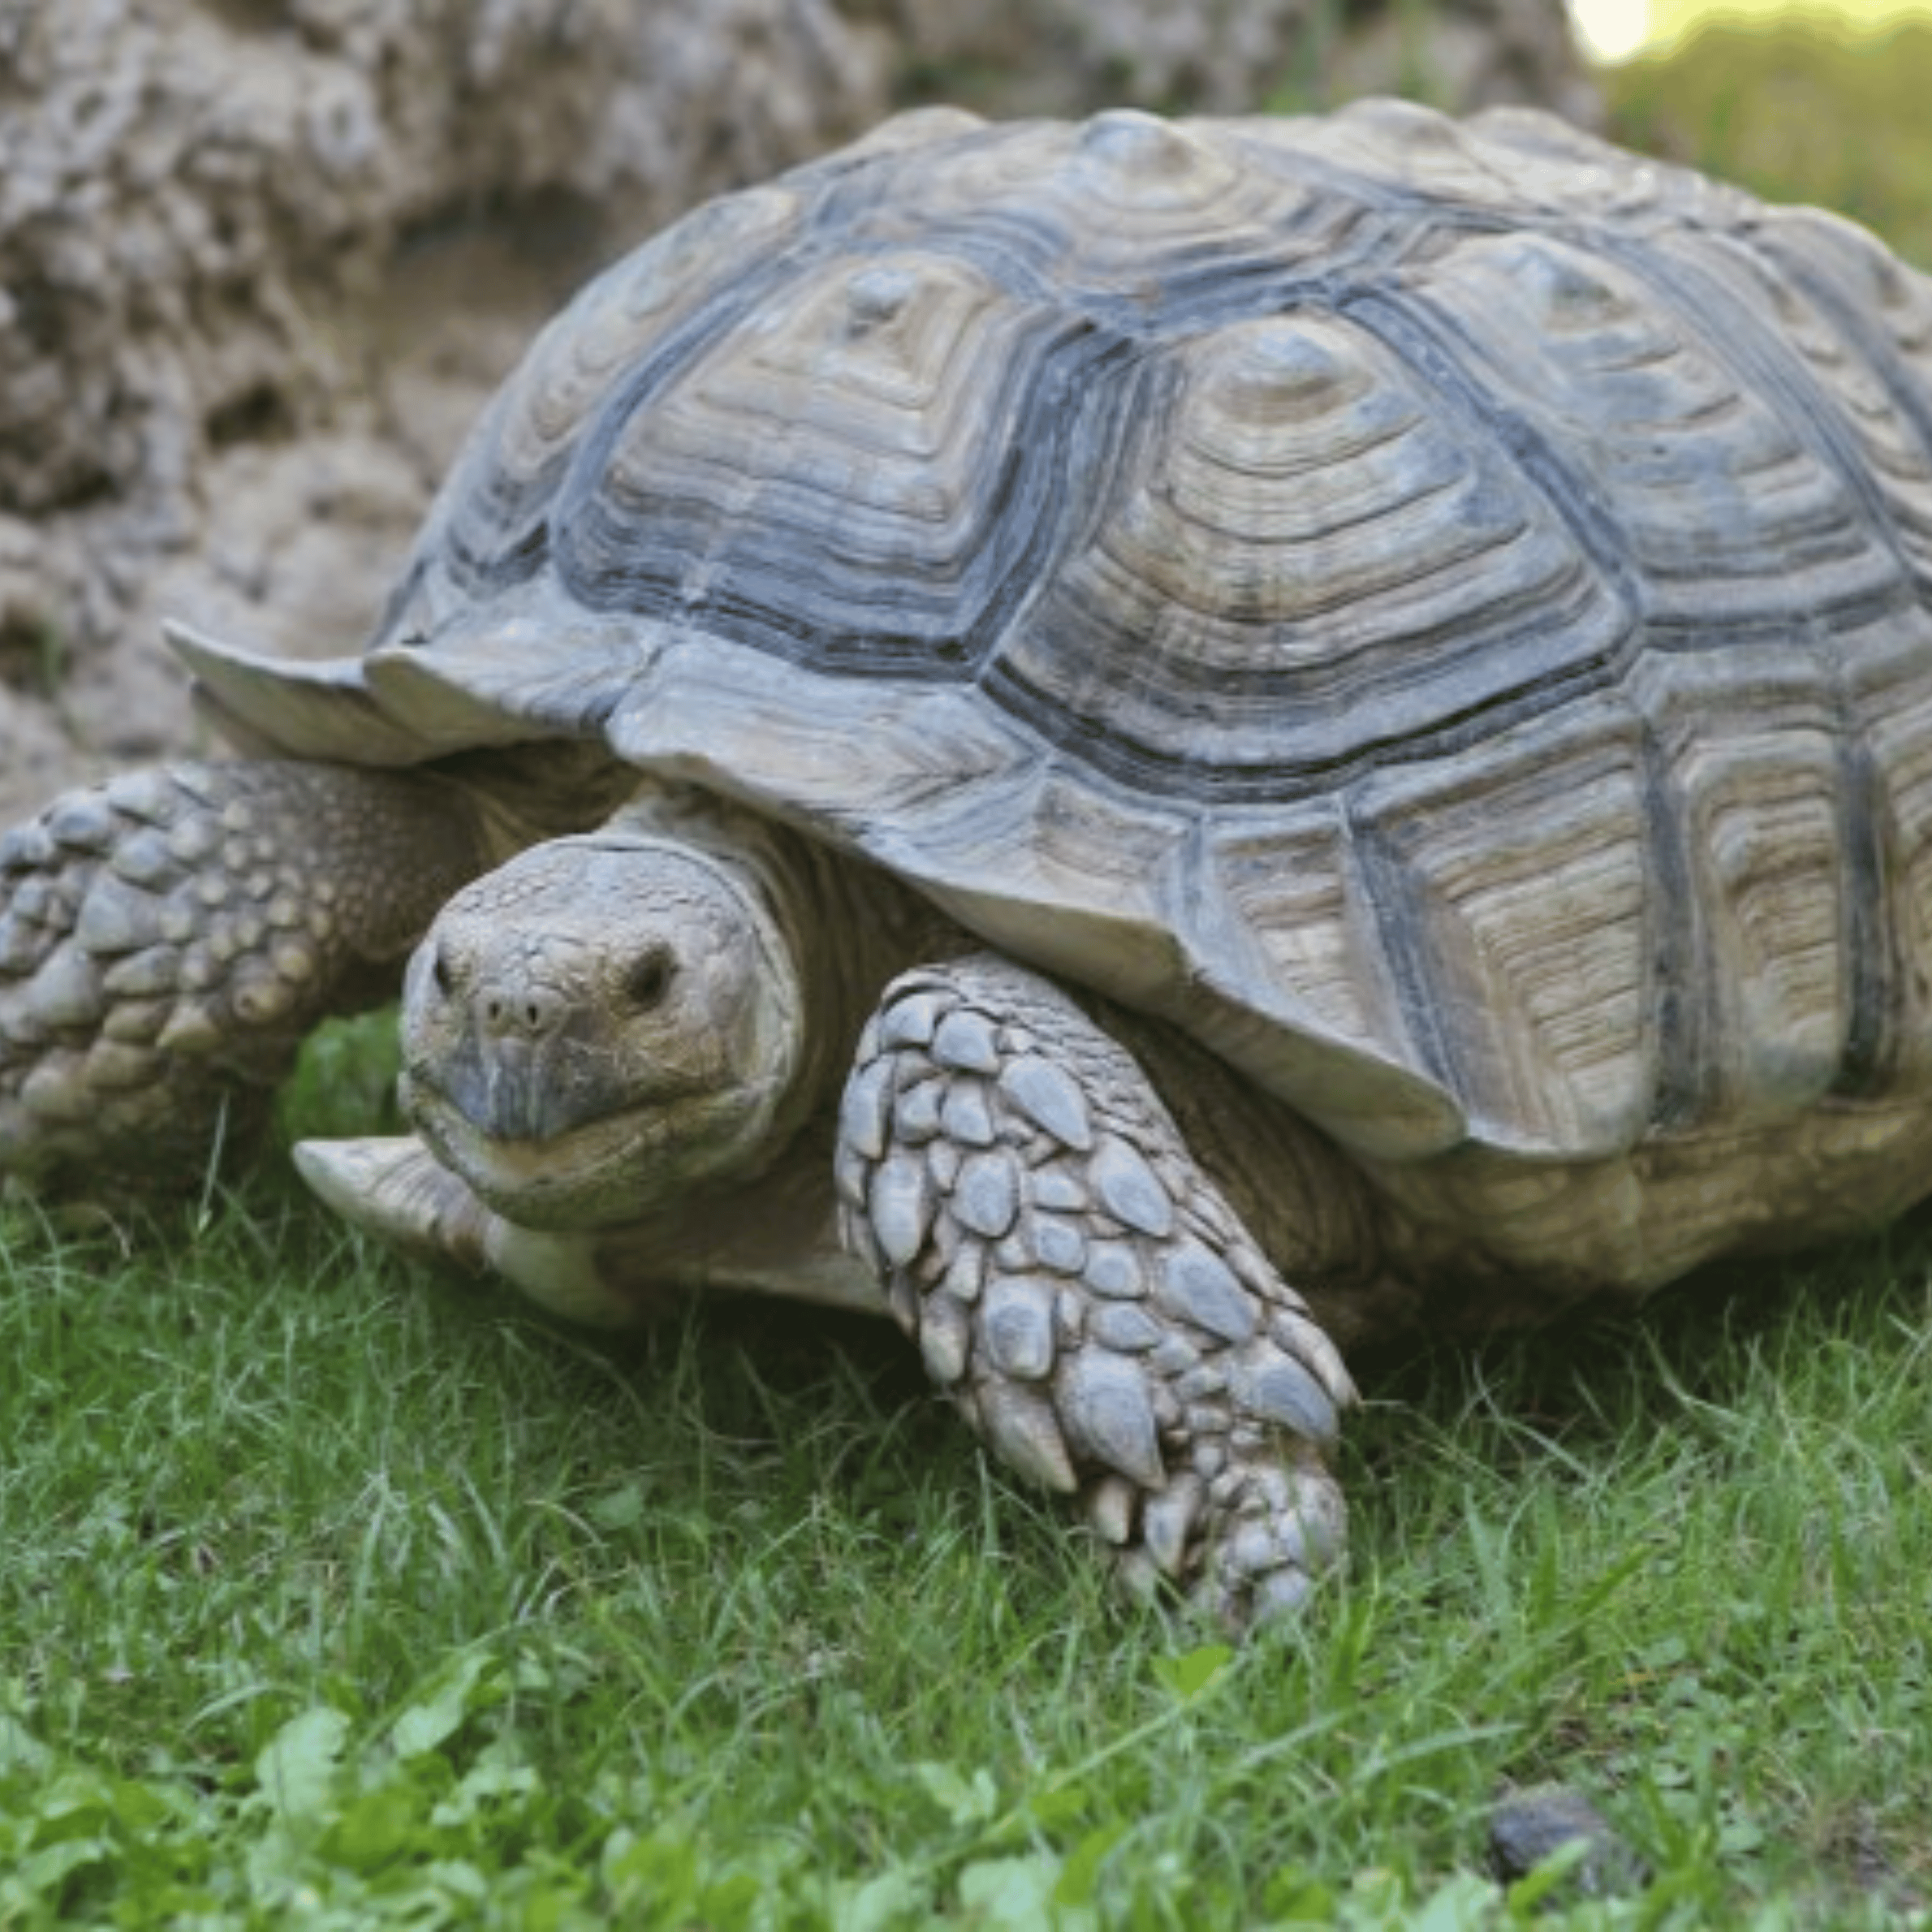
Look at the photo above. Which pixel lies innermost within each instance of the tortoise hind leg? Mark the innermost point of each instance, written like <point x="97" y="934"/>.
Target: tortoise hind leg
<point x="1083" y="1290"/>
<point x="167" y="939"/>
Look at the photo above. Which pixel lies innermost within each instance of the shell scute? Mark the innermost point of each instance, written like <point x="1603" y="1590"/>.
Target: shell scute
<point x="1443" y="612"/>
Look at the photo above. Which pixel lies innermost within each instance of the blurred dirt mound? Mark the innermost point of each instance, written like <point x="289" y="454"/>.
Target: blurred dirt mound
<point x="261" y="260"/>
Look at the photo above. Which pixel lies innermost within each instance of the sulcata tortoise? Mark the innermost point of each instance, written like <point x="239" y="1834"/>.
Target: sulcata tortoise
<point x="1162" y="748"/>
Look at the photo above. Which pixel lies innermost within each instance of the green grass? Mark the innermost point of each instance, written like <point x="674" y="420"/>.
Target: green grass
<point x="335" y="1593"/>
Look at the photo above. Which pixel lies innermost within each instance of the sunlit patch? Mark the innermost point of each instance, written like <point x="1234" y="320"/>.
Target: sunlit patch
<point x="1614" y="30"/>
<point x="1611" y="30"/>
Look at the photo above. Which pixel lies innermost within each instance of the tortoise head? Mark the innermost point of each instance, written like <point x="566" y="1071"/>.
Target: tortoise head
<point x="600" y="1026"/>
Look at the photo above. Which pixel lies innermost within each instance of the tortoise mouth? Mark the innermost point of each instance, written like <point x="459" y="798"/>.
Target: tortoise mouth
<point x="596" y="1173"/>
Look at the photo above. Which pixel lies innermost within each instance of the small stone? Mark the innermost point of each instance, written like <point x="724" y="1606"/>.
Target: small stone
<point x="1197" y="1286"/>
<point x="1129" y="1190"/>
<point x="1051" y="1098"/>
<point x="1014" y="1254"/>
<point x="863" y="1110"/>
<point x="191" y="1029"/>
<point x="987" y="1196"/>
<point x="902" y="1206"/>
<point x="1529" y="1825"/>
<point x="945" y="1338"/>
<point x="1123" y="1325"/>
<point x="1210" y="1459"/>
<point x="1058" y="1244"/>
<point x="1167" y="1521"/>
<point x="965" y="1116"/>
<point x="1109" y="1415"/>
<point x="964" y="1042"/>
<point x="1113" y="1270"/>
<point x="908" y="1022"/>
<point x="1017" y="1324"/>
<point x="1021" y="1427"/>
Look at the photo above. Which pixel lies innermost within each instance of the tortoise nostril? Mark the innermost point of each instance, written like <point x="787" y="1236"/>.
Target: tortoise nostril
<point x="530" y="1012"/>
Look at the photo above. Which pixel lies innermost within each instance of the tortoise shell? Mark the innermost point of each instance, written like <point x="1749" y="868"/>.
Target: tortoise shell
<point x="1443" y="611"/>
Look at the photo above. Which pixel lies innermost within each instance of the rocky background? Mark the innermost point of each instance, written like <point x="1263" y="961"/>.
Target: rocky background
<point x="260" y="261"/>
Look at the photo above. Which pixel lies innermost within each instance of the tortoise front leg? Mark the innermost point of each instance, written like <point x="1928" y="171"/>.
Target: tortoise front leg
<point x="1083" y="1292"/>
<point x="167" y="939"/>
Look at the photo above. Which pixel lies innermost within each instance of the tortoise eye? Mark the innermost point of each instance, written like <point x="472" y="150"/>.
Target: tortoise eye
<point x="650" y="977"/>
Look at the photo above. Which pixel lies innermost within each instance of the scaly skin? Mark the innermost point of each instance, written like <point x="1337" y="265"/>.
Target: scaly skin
<point x="169" y="938"/>
<point x="1084" y="1292"/>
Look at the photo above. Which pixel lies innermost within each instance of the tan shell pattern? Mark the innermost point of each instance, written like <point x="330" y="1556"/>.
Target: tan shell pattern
<point x="1444" y="611"/>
